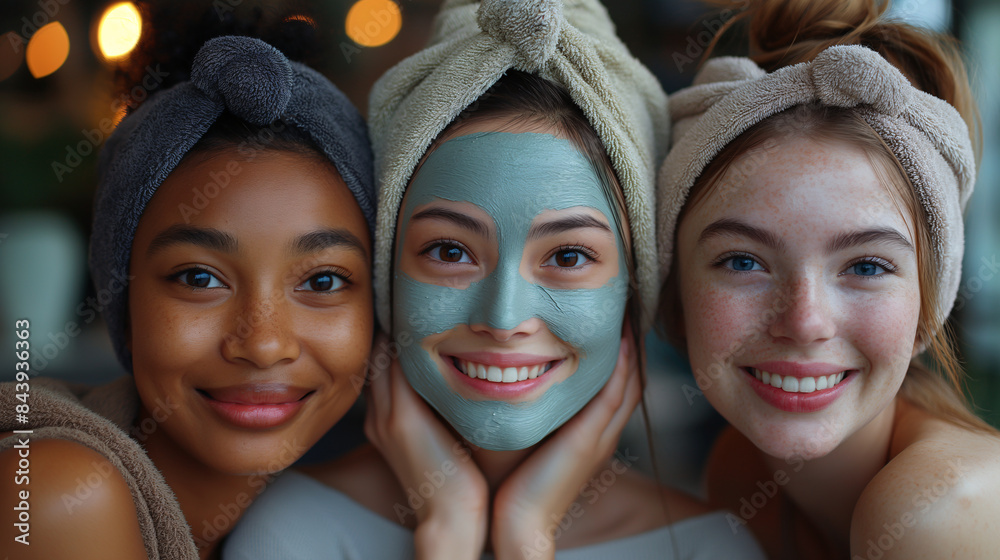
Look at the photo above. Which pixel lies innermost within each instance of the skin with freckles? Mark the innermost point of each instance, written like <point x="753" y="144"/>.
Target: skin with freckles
<point x="810" y="268"/>
<point x="772" y="283"/>
<point x="248" y="323"/>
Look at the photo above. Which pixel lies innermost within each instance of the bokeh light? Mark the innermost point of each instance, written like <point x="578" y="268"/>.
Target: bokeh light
<point x="119" y="30"/>
<point x="373" y="23"/>
<point x="47" y="50"/>
<point x="11" y="54"/>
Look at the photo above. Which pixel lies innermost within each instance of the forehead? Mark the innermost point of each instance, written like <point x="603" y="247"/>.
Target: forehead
<point x="274" y="192"/>
<point x="803" y="185"/>
<point x="513" y="175"/>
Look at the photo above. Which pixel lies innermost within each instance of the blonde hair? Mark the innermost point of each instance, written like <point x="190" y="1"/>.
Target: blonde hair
<point x="787" y="32"/>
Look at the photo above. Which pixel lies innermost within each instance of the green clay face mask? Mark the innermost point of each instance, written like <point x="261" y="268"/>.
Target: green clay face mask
<point x="512" y="177"/>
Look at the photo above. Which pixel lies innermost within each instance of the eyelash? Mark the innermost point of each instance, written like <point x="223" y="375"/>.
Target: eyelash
<point x="587" y="252"/>
<point x="883" y="263"/>
<point x="721" y="261"/>
<point x="176" y="277"/>
<point x="437" y="243"/>
<point x="343" y="275"/>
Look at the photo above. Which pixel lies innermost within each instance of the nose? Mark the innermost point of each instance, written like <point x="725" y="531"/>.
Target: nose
<point x="803" y="314"/>
<point x="262" y="331"/>
<point x="506" y="309"/>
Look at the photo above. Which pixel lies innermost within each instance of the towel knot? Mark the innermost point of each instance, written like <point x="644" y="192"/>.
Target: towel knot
<point x="847" y="76"/>
<point x="530" y="26"/>
<point x="252" y="78"/>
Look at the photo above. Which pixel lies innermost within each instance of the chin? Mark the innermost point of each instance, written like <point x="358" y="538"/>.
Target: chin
<point x="795" y="440"/>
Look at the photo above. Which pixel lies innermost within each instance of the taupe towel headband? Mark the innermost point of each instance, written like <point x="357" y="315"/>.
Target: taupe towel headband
<point x="926" y="134"/>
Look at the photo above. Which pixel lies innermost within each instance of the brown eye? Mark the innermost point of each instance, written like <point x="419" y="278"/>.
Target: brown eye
<point x="567" y="258"/>
<point x="198" y="278"/>
<point x="449" y="253"/>
<point x="570" y="257"/>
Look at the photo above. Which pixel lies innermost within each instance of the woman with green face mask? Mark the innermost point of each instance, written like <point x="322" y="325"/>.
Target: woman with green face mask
<point x="515" y="159"/>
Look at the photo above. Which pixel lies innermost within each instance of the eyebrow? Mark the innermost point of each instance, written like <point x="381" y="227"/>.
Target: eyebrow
<point x="457" y="218"/>
<point x="566" y="224"/>
<point x="319" y="240"/>
<point x="209" y="238"/>
<point x="878" y="235"/>
<point x="733" y="227"/>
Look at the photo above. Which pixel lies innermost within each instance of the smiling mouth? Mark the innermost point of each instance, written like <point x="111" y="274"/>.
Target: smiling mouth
<point x="498" y="374"/>
<point x="792" y="384"/>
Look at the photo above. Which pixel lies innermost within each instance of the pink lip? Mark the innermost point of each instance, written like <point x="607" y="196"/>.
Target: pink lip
<point x="501" y="391"/>
<point x="256" y="406"/>
<point x="505" y="359"/>
<point x="798" y="402"/>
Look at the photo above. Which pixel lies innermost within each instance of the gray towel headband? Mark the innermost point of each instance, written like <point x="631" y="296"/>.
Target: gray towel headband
<point x="926" y="134"/>
<point x="248" y="78"/>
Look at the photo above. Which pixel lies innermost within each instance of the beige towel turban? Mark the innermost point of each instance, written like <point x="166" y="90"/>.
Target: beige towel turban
<point x="926" y="134"/>
<point x="571" y="43"/>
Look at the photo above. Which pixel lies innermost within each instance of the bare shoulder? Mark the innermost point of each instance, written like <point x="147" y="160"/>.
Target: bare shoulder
<point x="77" y="504"/>
<point x="365" y="477"/>
<point x="939" y="496"/>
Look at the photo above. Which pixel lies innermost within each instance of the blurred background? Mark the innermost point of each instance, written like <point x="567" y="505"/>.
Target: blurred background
<point x="58" y="61"/>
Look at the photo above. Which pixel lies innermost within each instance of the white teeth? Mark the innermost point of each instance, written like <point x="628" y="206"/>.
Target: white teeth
<point x="500" y="375"/>
<point x="792" y="384"/>
<point x="494" y="374"/>
<point x="807" y="384"/>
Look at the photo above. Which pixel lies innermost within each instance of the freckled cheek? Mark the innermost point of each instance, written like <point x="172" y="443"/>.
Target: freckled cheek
<point x="716" y="320"/>
<point x="884" y="329"/>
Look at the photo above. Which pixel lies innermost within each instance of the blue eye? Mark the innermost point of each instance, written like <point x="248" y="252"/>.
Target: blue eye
<point x="322" y="282"/>
<point x="869" y="269"/>
<point x="743" y="263"/>
<point x="449" y="253"/>
<point x="198" y="278"/>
